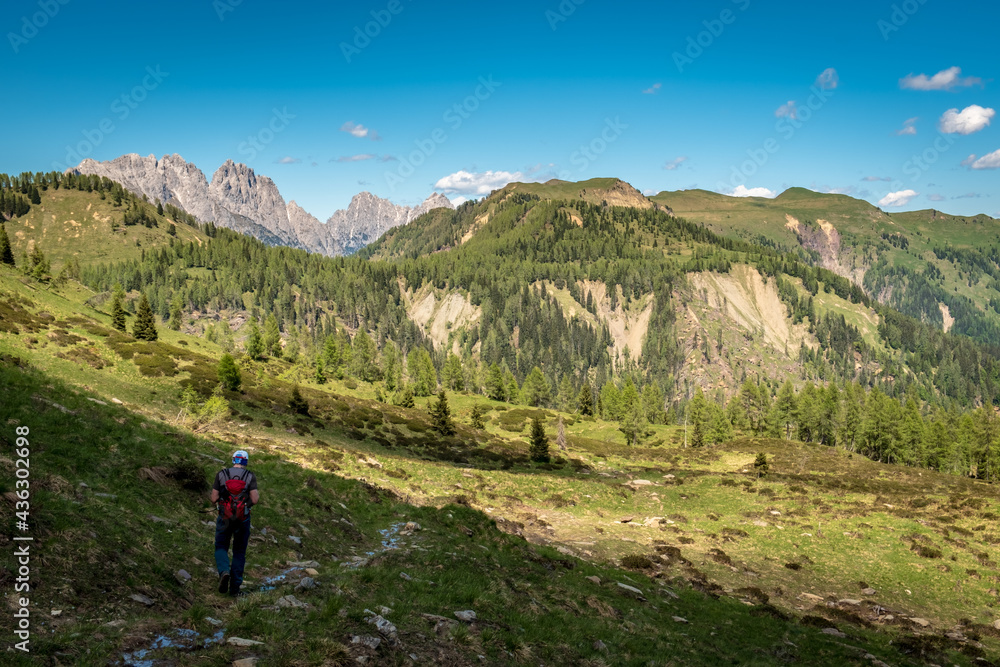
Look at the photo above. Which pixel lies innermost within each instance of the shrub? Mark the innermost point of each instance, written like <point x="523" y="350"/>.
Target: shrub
<point x="637" y="562"/>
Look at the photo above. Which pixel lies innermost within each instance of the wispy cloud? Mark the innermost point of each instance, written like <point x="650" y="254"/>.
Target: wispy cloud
<point x="288" y="159"/>
<point x="744" y="191"/>
<point x="828" y="79"/>
<point x="788" y="109"/>
<point x="360" y="131"/>
<point x="944" y="80"/>
<point x="990" y="161"/>
<point x="900" y="198"/>
<point x="676" y="162"/>
<point x="968" y="195"/>
<point x="871" y="179"/>
<point x="355" y="158"/>
<point x="967" y="121"/>
<point x="652" y="89"/>
<point x="936" y="197"/>
<point x="476" y="184"/>
<point x="909" y="126"/>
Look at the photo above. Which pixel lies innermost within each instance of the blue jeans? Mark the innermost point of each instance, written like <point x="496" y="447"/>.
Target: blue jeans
<point x="239" y="533"/>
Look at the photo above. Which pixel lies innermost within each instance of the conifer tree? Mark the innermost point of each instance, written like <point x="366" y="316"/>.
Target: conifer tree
<point x="585" y="401"/>
<point x="6" y="253"/>
<point x="496" y="389"/>
<point x="255" y="342"/>
<point x="441" y="415"/>
<point x="272" y="337"/>
<point x="296" y="403"/>
<point x="229" y="373"/>
<point x="145" y="322"/>
<point x="404" y="397"/>
<point x="364" y="364"/>
<point x="476" y="418"/>
<point x="320" y="374"/>
<point x="536" y="391"/>
<point x="391" y="369"/>
<point x="452" y="375"/>
<point x="539" y="441"/>
<point x="117" y="308"/>
<point x="176" y="309"/>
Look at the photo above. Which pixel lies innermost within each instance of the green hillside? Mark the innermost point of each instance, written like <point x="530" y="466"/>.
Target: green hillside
<point x="665" y="363"/>
<point x="930" y="265"/>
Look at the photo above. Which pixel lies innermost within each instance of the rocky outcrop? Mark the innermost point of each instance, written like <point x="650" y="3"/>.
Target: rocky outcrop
<point x="238" y="199"/>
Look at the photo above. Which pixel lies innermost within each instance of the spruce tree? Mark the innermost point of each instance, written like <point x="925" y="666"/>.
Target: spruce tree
<point x="585" y="402"/>
<point x="145" y="323"/>
<point x="176" y="309"/>
<point x="117" y="308"/>
<point x="272" y="336"/>
<point x="296" y="403"/>
<point x="404" y="397"/>
<point x="441" y="416"/>
<point x="255" y="343"/>
<point x="6" y="254"/>
<point x="229" y="373"/>
<point x="476" y="418"/>
<point x="495" y="387"/>
<point x="539" y="441"/>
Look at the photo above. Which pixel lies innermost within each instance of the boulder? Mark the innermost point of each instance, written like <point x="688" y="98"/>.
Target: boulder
<point x="468" y="615"/>
<point x="290" y="601"/>
<point x="922" y="622"/>
<point x="142" y="599"/>
<point x="594" y="580"/>
<point x="630" y="589"/>
<point x="239" y="641"/>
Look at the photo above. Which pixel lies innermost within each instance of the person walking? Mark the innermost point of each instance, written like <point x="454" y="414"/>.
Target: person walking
<point x="235" y="492"/>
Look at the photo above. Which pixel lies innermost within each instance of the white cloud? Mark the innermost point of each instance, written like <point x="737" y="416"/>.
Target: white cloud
<point x="968" y="195"/>
<point x="468" y="183"/>
<point x="969" y="160"/>
<point x="876" y="178"/>
<point x="936" y="197"/>
<point x="946" y="79"/>
<point x="970" y="119"/>
<point x="288" y="159"/>
<point x="356" y="158"/>
<point x="909" y="126"/>
<point x="652" y="89"/>
<point x="360" y="131"/>
<point x="991" y="161"/>
<point x="459" y="200"/>
<point x="676" y="162"/>
<point x="901" y="198"/>
<point x="744" y="191"/>
<point x="787" y="109"/>
<point x="828" y="79"/>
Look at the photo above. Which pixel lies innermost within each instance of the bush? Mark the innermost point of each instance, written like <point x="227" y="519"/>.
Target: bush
<point x="637" y="562"/>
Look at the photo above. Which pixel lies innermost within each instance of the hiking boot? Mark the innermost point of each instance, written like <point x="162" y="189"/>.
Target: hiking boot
<point x="234" y="588"/>
<point x="224" y="582"/>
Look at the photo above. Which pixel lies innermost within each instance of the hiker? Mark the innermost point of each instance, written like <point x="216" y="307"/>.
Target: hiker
<point x="235" y="492"/>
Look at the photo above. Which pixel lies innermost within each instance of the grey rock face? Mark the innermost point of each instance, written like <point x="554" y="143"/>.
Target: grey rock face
<point x="238" y="199"/>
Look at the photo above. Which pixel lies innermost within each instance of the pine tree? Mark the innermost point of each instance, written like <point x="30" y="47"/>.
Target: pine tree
<point x="296" y="403"/>
<point x="539" y="441"/>
<point x="117" y="308"/>
<point x="229" y="373"/>
<point x="495" y="387"/>
<point x="6" y="253"/>
<point x="760" y="464"/>
<point x="536" y="390"/>
<point x="320" y="375"/>
<point x="255" y="343"/>
<point x="364" y="364"/>
<point x="145" y="323"/>
<point x="404" y="397"/>
<point x="176" y="309"/>
<point x="585" y="401"/>
<point x="441" y="415"/>
<point x="391" y="369"/>
<point x="272" y="337"/>
<point x="452" y="375"/>
<point x="476" y="418"/>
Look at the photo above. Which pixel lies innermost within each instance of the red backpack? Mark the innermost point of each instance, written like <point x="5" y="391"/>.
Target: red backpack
<point x="236" y="505"/>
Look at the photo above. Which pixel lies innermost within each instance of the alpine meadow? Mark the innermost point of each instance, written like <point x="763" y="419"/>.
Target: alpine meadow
<point x="629" y="335"/>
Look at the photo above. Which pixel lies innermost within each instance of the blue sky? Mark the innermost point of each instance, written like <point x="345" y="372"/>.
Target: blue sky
<point x="889" y="101"/>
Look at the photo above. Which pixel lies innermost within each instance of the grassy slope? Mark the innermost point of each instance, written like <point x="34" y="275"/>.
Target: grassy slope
<point x="857" y="221"/>
<point x="74" y="224"/>
<point x="535" y="603"/>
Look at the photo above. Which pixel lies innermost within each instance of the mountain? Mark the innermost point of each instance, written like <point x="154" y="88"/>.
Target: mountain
<point x="739" y="439"/>
<point x="237" y="198"/>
